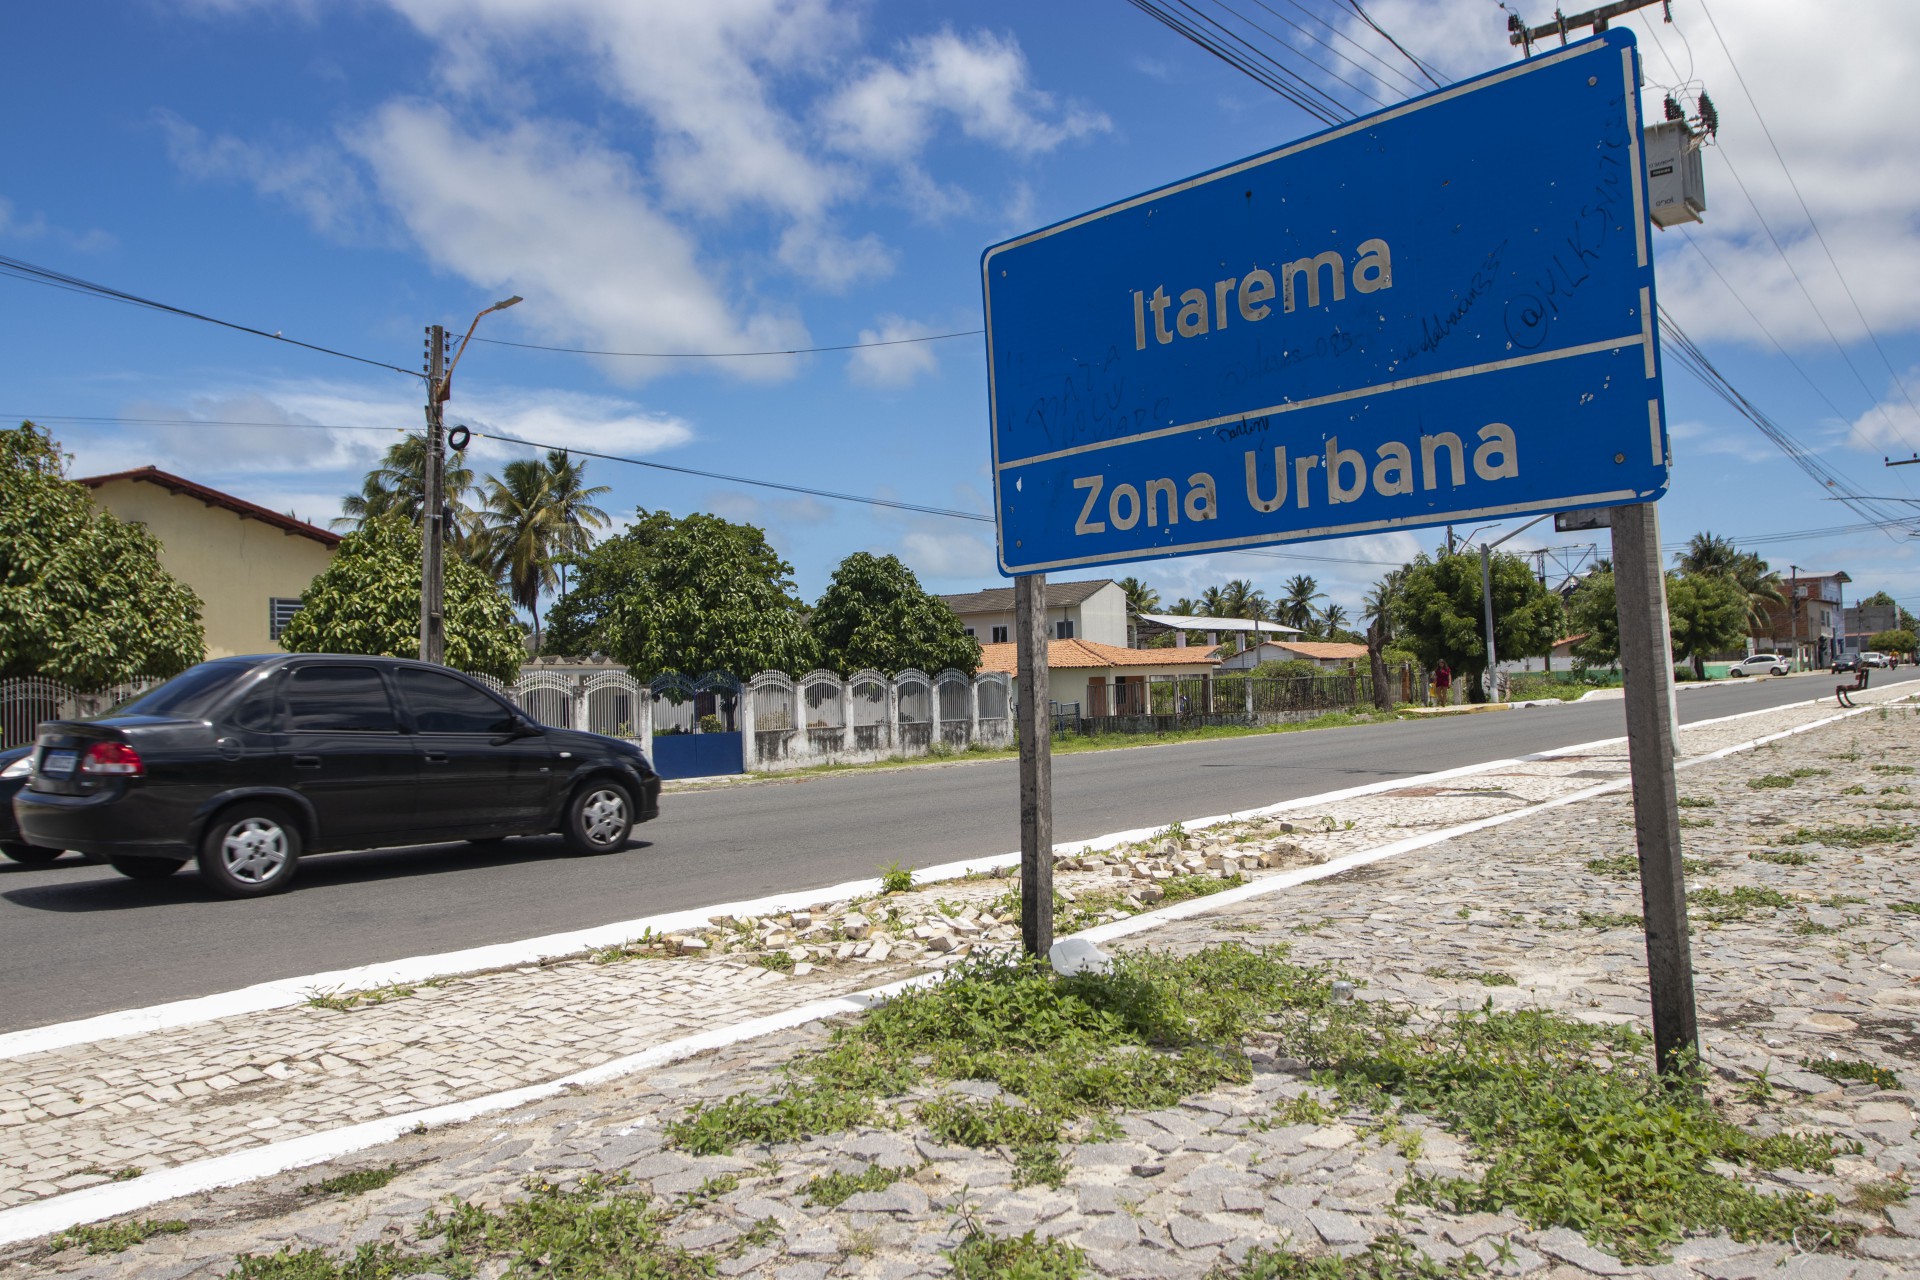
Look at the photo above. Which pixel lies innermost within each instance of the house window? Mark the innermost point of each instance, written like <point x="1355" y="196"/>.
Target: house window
<point x="279" y="613"/>
<point x="1063" y="629"/>
<point x="969" y="630"/>
<point x="999" y="635"/>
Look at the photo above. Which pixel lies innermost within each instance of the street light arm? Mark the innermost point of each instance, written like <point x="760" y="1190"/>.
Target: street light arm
<point x="445" y="388"/>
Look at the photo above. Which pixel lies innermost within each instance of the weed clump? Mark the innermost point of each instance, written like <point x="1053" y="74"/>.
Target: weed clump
<point x="115" y="1237"/>
<point x="1854" y="1070"/>
<point x="895" y="878"/>
<point x="835" y="1189"/>
<point x="1770" y="781"/>
<point x="1851" y="837"/>
<point x="355" y="1183"/>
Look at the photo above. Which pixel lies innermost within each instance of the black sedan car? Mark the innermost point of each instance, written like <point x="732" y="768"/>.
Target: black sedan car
<point x="15" y="764"/>
<point x="245" y="764"/>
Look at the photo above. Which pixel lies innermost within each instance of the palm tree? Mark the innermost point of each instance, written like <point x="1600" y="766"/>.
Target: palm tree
<point x="1713" y="554"/>
<point x="1213" y="603"/>
<point x="1377" y="607"/>
<point x="1183" y="606"/>
<point x="1141" y="598"/>
<point x="1333" y="618"/>
<point x="1296" y="609"/>
<point x="398" y="487"/>
<point x="536" y="512"/>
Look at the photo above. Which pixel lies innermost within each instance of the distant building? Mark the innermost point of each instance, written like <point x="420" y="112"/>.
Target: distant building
<point x="1093" y="610"/>
<point x="1807" y="627"/>
<point x="1331" y="655"/>
<point x="247" y="564"/>
<point x="1104" y="679"/>
<point x="1860" y="623"/>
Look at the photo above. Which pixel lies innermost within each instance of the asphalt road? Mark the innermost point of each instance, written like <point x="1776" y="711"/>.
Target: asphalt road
<point x="77" y="940"/>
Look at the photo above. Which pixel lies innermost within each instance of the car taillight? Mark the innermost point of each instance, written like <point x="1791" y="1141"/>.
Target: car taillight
<point x="112" y="757"/>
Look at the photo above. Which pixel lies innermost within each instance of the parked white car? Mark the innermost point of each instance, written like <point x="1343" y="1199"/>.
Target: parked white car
<point x="1762" y="664"/>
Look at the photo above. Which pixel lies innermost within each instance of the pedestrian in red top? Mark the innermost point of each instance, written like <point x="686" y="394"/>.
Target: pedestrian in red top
<point x="1443" y="682"/>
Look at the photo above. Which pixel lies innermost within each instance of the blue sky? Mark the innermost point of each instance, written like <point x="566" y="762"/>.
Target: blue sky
<point x="749" y="174"/>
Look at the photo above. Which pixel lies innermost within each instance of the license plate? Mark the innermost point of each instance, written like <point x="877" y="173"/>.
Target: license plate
<point x="58" y="764"/>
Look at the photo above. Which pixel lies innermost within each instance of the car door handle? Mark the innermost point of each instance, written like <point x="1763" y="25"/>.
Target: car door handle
<point x="306" y="762"/>
<point x="436" y="757"/>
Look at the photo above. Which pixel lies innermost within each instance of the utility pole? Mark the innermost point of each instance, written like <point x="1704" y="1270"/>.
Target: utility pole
<point x="1647" y="653"/>
<point x="1486" y="598"/>
<point x="1519" y="33"/>
<point x="433" y="631"/>
<point x="1793" y="611"/>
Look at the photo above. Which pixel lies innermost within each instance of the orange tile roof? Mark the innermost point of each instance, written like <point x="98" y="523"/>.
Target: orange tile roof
<point x="1321" y="648"/>
<point x="1066" y="654"/>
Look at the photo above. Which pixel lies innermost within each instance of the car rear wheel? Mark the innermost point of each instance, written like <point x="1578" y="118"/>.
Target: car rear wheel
<point x="599" y="818"/>
<point x="250" y="851"/>
<point x="31" y="854"/>
<point x="146" y="868"/>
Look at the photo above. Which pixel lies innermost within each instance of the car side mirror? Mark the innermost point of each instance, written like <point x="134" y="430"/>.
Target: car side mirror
<point x="521" y="728"/>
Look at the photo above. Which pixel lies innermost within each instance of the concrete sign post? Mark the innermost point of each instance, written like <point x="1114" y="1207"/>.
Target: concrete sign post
<point x="1440" y="312"/>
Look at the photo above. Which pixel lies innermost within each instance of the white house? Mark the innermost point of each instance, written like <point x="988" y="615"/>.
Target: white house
<point x="1094" y="610"/>
<point x="1330" y="655"/>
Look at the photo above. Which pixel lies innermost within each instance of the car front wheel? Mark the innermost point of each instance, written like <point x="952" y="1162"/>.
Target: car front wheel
<point x="250" y="851"/>
<point x="146" y="868"/>
<point x="31" y="854"/>
<point x="599" y="818"/>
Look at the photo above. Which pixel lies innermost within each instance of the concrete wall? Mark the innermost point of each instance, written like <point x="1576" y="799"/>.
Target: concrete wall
<point x="234" y="565"/>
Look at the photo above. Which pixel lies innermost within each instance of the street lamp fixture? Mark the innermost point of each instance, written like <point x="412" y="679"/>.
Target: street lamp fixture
<point x="446" y="383"/>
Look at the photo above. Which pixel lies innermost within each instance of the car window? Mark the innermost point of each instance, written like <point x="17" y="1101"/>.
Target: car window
<point x="338" y="699"/>
<point x="190" y="694"/>
<point x="259" y="710"/>
<point x="442" y="704"/>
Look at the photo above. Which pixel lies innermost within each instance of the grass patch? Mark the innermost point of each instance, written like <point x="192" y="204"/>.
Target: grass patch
<point x="341" y="1001"/>
<point x="1872" y="1197"/>
<point x="1891" y="768"/>
<point x="1852" y="837"/>
<point x="1894" y="806"/>
<point x="1626" y="866"/>
<point x="1810" y="773"/>
<point x="115" y="1237"/>
<point x="1719" y="906"/>
<point x="1695" y="802"/>
<point x="1854" y="1070"/>
<point x="895" y="878"/>
<point x="835" y="1189"/>
<point x="1686" y="821"/>
<point x="1485" y="979"/>
<point x="1770" y="781"/>
<point x="1193" y="885"/>
<point x="1611" y="920"/>
<point x="1855" y="790"/>
<point x="358" y="1182"/>
<point x="1389" y="1257"/>
<point x="1906" y="908"/>
<point x="595" y="1229"/>
<point x="981" y="1256"/>
<point x="1067" y="1051"/>
<point x="1812" y="929"/>
<point x="1788" y="859"/>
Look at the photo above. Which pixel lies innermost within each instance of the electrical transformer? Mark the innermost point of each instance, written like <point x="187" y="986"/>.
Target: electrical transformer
<point x="1676" y="183"/>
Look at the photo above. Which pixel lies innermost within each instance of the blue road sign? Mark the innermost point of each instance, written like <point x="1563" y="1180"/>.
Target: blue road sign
<point x="1440" y="312"/>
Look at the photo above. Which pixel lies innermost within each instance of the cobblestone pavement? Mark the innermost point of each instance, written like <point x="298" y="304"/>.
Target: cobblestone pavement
<point x="1838" y="969"/>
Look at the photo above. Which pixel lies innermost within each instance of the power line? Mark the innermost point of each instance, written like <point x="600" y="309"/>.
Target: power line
<point x="732" y="355"/>
<point x="17" y="269"/>
<point x="1818" y="234"/>
<point x="1422" y="67"/>
<point x="1288" y="85"/>
<point x="1409" y="81"/>
<point x="502" y="436"/>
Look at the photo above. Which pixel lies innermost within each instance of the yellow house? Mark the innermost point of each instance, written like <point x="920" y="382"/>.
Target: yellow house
<point x="247" y="564"/>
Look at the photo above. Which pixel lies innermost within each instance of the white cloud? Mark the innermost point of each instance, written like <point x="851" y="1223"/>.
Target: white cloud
<point x="540" y="210"/>
<point x="831" y="261"/>
<point x="895" y="366"/>
<point x="946" y="554"/>
<point x="703" y="73"/>
<point x="566" y="419"/>
<point x="981" y="83"/>
<point x="313" y="178"/>
<point x="1735" y="440"/>
<point x="1892" y="426"/>
<point x="12" y="226"/>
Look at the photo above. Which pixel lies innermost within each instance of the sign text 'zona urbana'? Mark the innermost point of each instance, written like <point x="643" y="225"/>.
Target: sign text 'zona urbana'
<point x="1346" y="477"/>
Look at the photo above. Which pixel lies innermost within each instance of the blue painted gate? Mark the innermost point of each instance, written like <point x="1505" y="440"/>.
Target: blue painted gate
<point x="697" y="755"/>
<point x="696" y="731"/>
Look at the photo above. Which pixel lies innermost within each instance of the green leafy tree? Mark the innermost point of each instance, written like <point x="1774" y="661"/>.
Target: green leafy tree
<point x="1710" y="553"/>
<point x="83" y="598"/>
<point x="874" y="613"/>
<point x="1593" y="614"/>
<point x="577" y="623"/>
<point x="398" y="487"/>
<point x="538" y="513"/>
<point x="705" y="595"/>
<point x="1296" y="606"/>
<point x="1706" y="614"/>
<point x="1898" y="640"/>
<point x="1141" y="598"/>
<point x="368" y="601"/>
<point x="1439" y="613"/>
